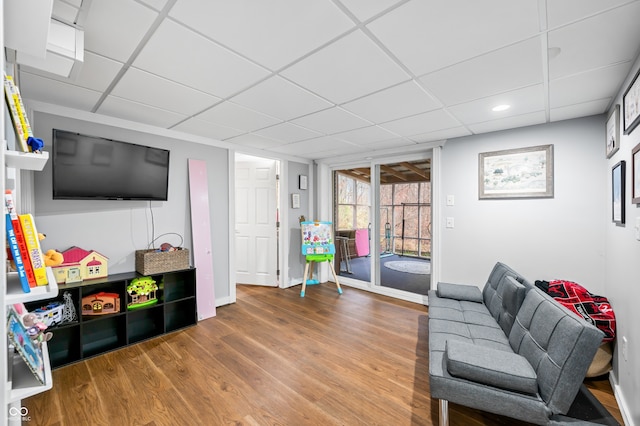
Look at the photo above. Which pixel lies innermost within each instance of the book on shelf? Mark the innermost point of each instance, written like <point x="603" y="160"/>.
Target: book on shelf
<point x="17" y="112"/>
<point x="17" y="232"/>
<point x="14" y="250"/>
<point x="33" y="247"/>
<point x="21" y="341"/>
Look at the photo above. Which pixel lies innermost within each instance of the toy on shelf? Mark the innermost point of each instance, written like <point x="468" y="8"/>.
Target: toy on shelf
<point x="36" y="329"/>
<point x="142" y="291"/>
<point x="50" y="314"/>
<point x="79" y="265"/>
<point x="101" y="304"/>
<point x="69" y="312"/>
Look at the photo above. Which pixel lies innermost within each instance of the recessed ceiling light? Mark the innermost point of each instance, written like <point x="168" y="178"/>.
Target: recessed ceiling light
<point x="502" y="107"/>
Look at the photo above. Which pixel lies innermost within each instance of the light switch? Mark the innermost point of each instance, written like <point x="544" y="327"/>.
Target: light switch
<point x="637" y="228"/>
<point x="450" y="200"/>
<point x="449" y="222"/>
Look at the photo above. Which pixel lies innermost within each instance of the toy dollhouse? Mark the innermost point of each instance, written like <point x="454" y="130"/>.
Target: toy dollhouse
<point x="101" y="304"/>
<point x="79" y="265"/>
<point x="142" y="292"/>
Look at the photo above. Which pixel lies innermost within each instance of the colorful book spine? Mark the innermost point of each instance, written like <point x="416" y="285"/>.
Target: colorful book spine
<point x="15" y="253"/>
<point x="22" y="112"/>
<point x="33" y="247"/>
<point x="17" y="230"/>
<point x="13" y="112"/>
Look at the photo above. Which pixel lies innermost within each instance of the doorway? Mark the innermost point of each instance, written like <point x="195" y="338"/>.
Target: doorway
<point x="256" y="220"/>
<point x="396" y="252"/>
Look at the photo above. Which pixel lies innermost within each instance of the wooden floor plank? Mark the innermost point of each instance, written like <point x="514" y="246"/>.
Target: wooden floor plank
<point x="272" y="358"/>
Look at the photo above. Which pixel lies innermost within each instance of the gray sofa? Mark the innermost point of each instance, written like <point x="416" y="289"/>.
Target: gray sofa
<point x="508" y="349"/>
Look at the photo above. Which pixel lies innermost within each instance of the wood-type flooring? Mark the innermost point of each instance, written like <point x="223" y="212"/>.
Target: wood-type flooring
<point x="272" y="358"/>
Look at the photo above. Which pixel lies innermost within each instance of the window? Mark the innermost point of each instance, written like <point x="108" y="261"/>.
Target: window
<point x="354" y="203"/>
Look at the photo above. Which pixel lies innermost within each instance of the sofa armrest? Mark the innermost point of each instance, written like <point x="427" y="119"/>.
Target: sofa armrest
<point x="493" y="367"/>
<point x="469" y="293"/>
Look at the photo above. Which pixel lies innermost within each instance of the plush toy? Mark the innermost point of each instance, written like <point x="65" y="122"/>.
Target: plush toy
<point x="35" y="329"/>
<point x="167" y="247"/>
<point x="35" y="144"/>
<point x="53" y="258"/>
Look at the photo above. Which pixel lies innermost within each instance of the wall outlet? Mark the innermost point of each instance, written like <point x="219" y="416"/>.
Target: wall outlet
<point x="624" y="348"/>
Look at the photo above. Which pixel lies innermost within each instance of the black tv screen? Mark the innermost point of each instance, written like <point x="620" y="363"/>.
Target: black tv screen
<point x="88" y="167"/>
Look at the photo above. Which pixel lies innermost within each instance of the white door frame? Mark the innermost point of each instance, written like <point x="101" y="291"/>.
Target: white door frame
<point x="325" y="203"/>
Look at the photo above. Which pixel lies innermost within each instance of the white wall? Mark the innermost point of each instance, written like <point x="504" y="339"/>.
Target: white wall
<point x="118" y="228"/>
<point x="296" y="259"/>
<point x="622" y="276"/>
<point x="545" y="238"/>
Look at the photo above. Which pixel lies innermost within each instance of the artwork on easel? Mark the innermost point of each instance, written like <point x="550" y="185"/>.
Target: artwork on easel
<point x="317" y="238"/>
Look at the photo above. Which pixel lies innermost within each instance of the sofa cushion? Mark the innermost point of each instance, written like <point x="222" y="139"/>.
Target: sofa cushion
<point x="468" y="293"/>
<point x="489" y="366"/>
<point x="512" y="295"/>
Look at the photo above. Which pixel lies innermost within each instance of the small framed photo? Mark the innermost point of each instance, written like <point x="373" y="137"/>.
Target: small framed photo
<point x="302" y="181"/>
<point x="295" y="201"/>
<point x="617" y="193"/>
<point x="631" y="105"/>
<point x="613" y="131"/>
<point x="635" y="174"/>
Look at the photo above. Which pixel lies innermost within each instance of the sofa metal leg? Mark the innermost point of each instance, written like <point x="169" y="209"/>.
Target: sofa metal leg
<point x="444" y="412"/>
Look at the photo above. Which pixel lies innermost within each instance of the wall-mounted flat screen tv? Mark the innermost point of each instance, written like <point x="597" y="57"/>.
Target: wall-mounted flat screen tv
<point x="94" y="168"/>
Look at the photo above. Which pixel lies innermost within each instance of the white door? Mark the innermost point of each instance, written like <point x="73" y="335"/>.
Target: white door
<point x="256" y="214"/>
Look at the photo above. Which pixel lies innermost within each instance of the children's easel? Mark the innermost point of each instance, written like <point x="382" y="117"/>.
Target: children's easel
<point x="318" y="247"/>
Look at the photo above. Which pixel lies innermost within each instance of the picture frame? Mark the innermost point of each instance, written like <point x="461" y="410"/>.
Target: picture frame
<point x="516" y="173"/>
<point x="618" y="193"/>
<point x="635" y="174"/>
<point x="631" y="105"/>
<point x="302" y="181"/>
<point x="612" y="141"/>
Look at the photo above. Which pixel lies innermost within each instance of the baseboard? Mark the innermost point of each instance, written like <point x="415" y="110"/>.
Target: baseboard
<point x="622" y="404"/>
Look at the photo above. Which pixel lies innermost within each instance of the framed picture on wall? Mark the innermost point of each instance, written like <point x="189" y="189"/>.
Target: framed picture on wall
<point x="617" y="193"/>
<point x="631" y="105"/>
<point x="613" y="131"/>
<point x="516" y="173"/>
<point x="635" y="174"/>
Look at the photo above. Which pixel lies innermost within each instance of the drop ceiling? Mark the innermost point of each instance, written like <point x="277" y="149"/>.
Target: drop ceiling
<point x="335" y="78"/>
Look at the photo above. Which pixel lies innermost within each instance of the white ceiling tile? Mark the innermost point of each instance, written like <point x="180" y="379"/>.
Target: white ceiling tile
<point x="366" y="135"/>
<point x="395" y="102"/>
<point x="64" y="12"/>
<point x="583" y="46"/>
<point x="255" y="141"/>
<point x="365" y="9"/>
<point x="156" y="4"/>
<point x="561" y="12"/>
<point x="391" y="144"/>
<point x="422" y="123"/>
<point x="57" y="93"/>
<point x="128" y="110"/>
<point x="272" y="33"/>
<point x="332" y="120"/>
<point x="114" y="28"/>
<point x="143" y="87"/>
<point x="522" y="101"/>
<point x="287" y="133"/>
<point x="96" y="72"/>
<point x="238" y="117"/>
<point x="579" y="88"/>
<point x="502" y="70"/>
<point x="347" y="69"/>
<point x="326" y="144"/>
<point x="523" y="120"/>
<point x="207" y="129"/>
<point x="428" y="35"/>
<point x="280" y="98"/>
<point x="454" y="132"/>
<point x="580" y="110"/>
<point x="218" y="72"/>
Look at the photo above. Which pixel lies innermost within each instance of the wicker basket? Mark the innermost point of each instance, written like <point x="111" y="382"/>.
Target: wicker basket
<point x="149" y="262"/>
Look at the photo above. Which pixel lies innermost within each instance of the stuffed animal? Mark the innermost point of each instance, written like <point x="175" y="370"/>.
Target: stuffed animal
<point x="53" y="258"/>
<point x="35" y="144"/>
<point x="35" y="329"/>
